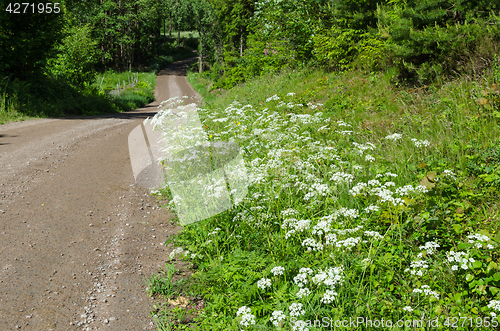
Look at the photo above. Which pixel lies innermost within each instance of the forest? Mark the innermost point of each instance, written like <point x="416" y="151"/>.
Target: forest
<point x="370" y="131"/>
<point x="425" y="41"/>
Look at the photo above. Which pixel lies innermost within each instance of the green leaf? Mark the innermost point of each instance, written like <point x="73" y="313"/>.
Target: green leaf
<point x="477" y="264"/>
<point x="492" y="265"/>
<point x="494" y="290"/>
<point x="469" y="277"/>
<point x="496" y="276"/>
<point x="457" y="228"/>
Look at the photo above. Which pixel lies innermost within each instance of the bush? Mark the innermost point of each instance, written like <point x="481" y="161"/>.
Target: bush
<point x="425" y="41"/>
<point x="76" y="57"/>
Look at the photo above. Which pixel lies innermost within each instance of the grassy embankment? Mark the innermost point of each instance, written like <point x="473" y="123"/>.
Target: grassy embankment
<point x="365" y="200"/>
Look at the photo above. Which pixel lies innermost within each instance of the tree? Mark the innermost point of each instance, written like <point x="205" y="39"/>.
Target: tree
<point x="204" y="19"/>
<point x="27" y="40"/>
<point x="431" y="38"/>
<point x="77" y="55"/>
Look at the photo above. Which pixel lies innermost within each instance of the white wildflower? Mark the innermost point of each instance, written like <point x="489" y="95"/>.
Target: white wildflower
<point x="420" y="143"/>
<point x="246" y="317"/>
<point x="263" y="283"/>
<point x="277" y="317"/>
<point x="296" y="309"/>
<point x="311" y="244"/>
<point x="277" y="270"/>
<point x="328" y="297"/>
<point x="300" y="325"/>
<point x="394" y="136"/>
<point x="303" y="292"/>
<point x="430" y="247"/>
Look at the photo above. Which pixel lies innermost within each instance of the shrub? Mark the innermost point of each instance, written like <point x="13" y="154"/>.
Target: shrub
<point x="76" y="57"/>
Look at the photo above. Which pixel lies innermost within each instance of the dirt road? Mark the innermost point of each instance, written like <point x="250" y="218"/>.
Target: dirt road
<point x="77" y="237"/>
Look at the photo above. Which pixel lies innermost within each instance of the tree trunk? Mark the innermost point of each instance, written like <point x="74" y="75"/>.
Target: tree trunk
<point x="201" y="53"/>
<point x="241" y="41"/>
<point x="170" y="26"/>
<point x="178" y="37"/>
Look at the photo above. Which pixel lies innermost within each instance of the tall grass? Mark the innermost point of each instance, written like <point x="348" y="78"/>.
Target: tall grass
<point x="8" y="112"/>
<point x="366" y="201"/>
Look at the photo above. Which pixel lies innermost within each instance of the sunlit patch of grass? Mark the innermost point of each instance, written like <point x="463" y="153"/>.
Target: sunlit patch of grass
<point x="8" y="112"/>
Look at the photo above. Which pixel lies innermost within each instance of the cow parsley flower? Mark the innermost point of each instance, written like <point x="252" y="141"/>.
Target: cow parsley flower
<point x="408" y="309"/>
<point x="263" y="283"/>
<point x="342" y="123"/>
<point x="394" y="136"/>
<point x="300" y="325"/>
<point x="477" y="240"/>
<point x="277" y="317"/>
<point x="175" y="252"/>
<point x="418" y="267"/>
<point x="430" y="247"/>
<point x="328" y="297"/>
<point x="449" y="173"/>
<point x="374" y="234"/>
<point x="495" y="305"/>
<point x="371" y="208"/>
<point x="342" y="177"/>
<point x="427" y="291"/>
<point x="277" y="270"/>
<point x="274" y="97"/>
<point x="303" y="292"/>
<point x="246" y="317"/>
<point x="296" y="309"/>
<point x="311" y="244"/>
<point x="300" y="280"/>
<point x="462" y="258"/>
<point x="420" y="143"/>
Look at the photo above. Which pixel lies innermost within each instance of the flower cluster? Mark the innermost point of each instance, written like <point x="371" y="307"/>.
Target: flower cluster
<point x="277" y="317"/>
<point x="459" y="258"/>
<point x="420" y="143"/>
<point x="478" y="239"/>
<point x="394" y="136"/>
<point x="495" y="305"/>
<point x="296" y="309"/>
<point x="277" y="270"/>
<point x="264" y="283"/>
<point x="425" y="289"/>
<point x="246" y="316"/>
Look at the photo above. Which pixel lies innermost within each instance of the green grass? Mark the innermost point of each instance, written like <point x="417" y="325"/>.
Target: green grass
<point x="311" y="168"/>
<point x="184" y="34"/>
<point x="8" y="112"/>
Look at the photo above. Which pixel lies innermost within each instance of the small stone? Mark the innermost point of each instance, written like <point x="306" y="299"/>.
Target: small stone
<point x="91" y="224"/>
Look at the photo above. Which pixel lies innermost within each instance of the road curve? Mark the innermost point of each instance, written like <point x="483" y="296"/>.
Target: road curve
<point x="77" y="237"/>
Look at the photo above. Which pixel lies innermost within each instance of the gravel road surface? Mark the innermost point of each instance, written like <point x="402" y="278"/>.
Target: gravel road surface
<point x="77" y="237"/>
